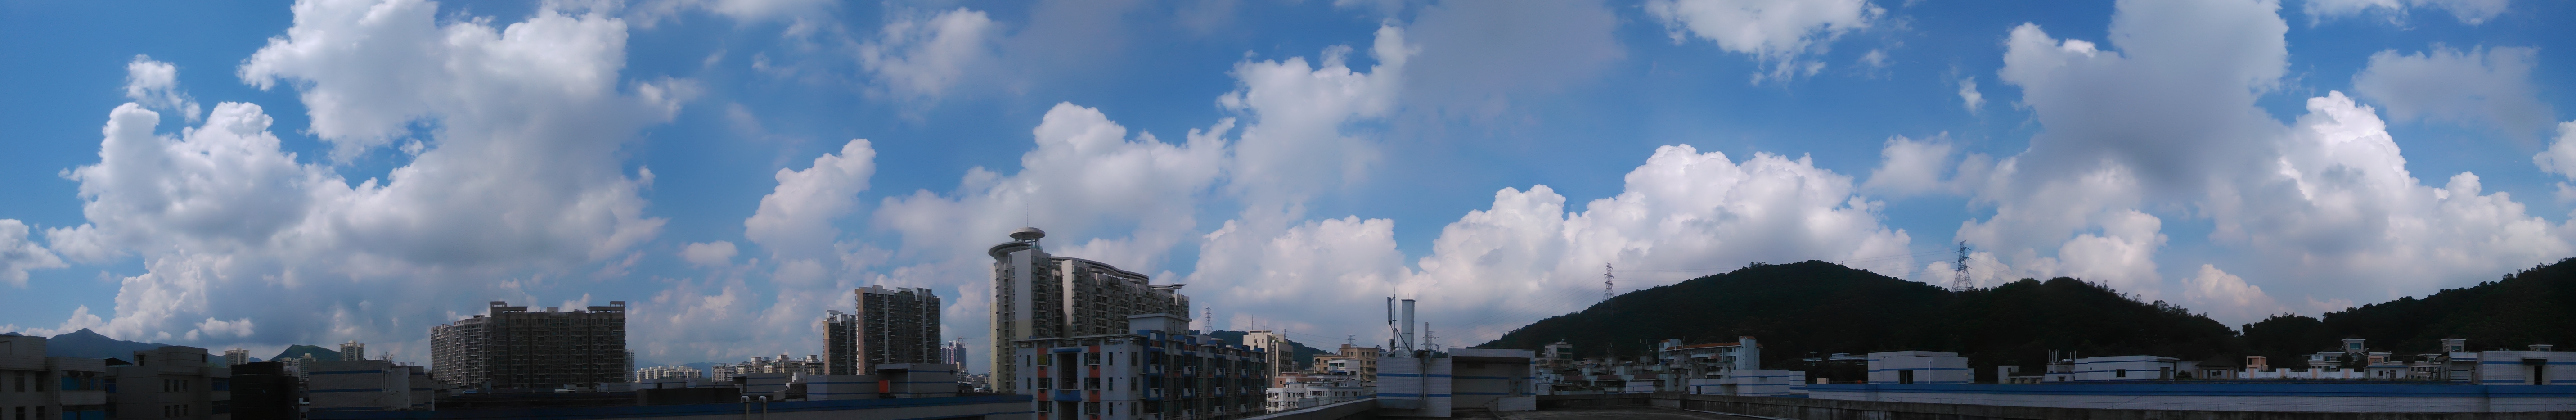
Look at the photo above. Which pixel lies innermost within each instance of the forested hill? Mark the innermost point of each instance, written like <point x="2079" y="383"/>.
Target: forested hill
<point x="2535" y="306"/>
<point x="1816" y="308"/>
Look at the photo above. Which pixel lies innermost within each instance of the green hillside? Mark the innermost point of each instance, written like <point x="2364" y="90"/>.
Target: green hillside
<point x="2534" y="306"/>
<point x="1817" y="308"/>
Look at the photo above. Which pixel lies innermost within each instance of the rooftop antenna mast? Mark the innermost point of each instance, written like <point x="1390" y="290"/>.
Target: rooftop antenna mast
<point x="1959" y="270"/>
<point x="1606" y="278"/>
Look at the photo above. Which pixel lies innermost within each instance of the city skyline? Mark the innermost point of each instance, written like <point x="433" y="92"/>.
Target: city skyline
<point x="255" y="176"/>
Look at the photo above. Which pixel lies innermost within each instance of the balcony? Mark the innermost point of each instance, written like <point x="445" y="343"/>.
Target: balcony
<point x="1153" y="369"/>
<point x="1154" y="394"/>
<point x="1189" y="371"/>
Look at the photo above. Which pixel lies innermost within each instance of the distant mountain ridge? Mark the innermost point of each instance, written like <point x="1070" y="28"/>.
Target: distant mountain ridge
<point x="90" y="344"/>
<point x="300" y="350"/>
<point x="1813" y="308"/>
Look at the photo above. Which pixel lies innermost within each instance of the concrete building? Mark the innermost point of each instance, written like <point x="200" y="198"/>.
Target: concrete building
<point x="897" y="325"/>
<point x="840" y="343"/>
<point x="1351" y="359"/>
<point x="2127" y="368"/>
<point x="1041" y="296"/>
<point x="512" y="347"/>
<point x="1296" y="390"/>
<point x="265" y="390"/>
<point x="667" y="371"/>
<point x="2233" y="399"/>
<point x="954" y="354"/>
<point x="236" y="356"/>
<point x="342" y="385"/>
<point x="2538" y="364"/>
<point x="1154" y="371"/>
<point x="888" y="380"/>
<point x="786" y="367"/>
<point x="353" y="350"/>
<point x="36" y="386"/>
<point x="1276" y="343"/>
<point x="1918" y="367"/>
<point x="171" y="382"/>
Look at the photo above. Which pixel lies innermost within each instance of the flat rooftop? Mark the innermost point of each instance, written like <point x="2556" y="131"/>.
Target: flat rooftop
<point x="1617" y="413"/>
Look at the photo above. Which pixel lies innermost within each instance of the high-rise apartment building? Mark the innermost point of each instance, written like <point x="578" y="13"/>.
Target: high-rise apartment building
<point x="514" y="348"/>
<point x="236" y="356"/>
<point x="1279" y="355"/>
<point x="353" y="350"/>
<point x="840" y="343"/>
<point x="897" y="325"/>
<point x="1036" y="295"/>
<point x="954" y="354"/>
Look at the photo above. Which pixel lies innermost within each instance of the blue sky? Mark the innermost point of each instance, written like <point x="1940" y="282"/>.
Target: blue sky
<point x="1292" y="160"/>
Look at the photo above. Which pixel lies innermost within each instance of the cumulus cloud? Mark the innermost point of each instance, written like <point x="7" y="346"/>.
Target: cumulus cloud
<point x="521" y="180"/>
<point x="2323" y="208"/>
<point x="155" y="84"/>
<point x="2559" y="159"/>
<point x="921" y="58"/>
<point x="718" y="253"/>
<point x="2227" y="298"/>
<point x="2338" y="216"/>
<point x="1908" y="166"/>
<point x="1295" y="145"/>
<point x="1970" y="97"/>
<point x="2471" y="12"/>
<point x="2111" y="142"/>
<point x="18" y="254"/>
<point x="1682" y="210"/>
<point x="795" y="219"/>
<point x="2489" y="86"/>
<point x="1779" y="33"/>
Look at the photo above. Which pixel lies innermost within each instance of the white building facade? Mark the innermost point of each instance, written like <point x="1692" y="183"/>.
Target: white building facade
<point x="1154" y="372"/>
<point x="1918" y="367"/>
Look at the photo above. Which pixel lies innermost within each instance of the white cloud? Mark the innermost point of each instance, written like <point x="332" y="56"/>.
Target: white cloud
<point x="520" y="183"/>
<point x="1528" y="256"/>
<point x="2472" y="12"/>
<point x="1779" y="33"/>
<point x="1969" y="97"/>
<point x="18" y="254"/>
<point x="711" y="254"/>
<point x="2489" y="86"/>
<point x="156" y="84"/>
<point x="2227" y="298"/>
<point x="795" y="219"/>
<point x="2160" y="117"/>
<point x="1295" y="145"/>
<point x="920" y="58"/>
<point x="2322" y="210"/>
<point x="2559" y="159"/>
<point x="1907" y="166"/>
<point x="2338" y="216"/>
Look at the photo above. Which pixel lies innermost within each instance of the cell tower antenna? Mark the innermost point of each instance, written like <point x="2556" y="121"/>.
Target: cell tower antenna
<point x="1209" y="313"/>
<point x="1350" y="340"/>
<point x="1606" y="280"/>
<point x="1959" y="270"/>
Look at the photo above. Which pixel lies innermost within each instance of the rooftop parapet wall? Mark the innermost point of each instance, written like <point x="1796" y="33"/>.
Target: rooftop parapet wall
<point x="2256" y="397"/>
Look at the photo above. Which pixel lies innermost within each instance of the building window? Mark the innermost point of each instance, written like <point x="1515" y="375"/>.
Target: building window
<point x="2121" y="373"/>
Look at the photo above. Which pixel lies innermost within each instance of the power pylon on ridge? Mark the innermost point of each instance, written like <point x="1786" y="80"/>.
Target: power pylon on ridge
<point x="1959" y="270"/>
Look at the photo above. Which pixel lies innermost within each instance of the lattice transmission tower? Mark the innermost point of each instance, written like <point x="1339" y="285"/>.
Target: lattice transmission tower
<point x="1959" y="270"/>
